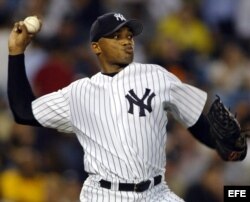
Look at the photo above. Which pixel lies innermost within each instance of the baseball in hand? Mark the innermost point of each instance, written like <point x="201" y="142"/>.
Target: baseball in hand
<point x="33" y="24"/>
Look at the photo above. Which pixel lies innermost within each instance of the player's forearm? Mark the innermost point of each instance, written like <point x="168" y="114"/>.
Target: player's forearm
<point x="200" y="130"/>
<point x="20" y="94"/>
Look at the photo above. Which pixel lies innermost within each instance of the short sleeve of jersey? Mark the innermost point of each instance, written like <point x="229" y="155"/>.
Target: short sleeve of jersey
<point x="53" y="110"/>
<point x="186" y="102"/>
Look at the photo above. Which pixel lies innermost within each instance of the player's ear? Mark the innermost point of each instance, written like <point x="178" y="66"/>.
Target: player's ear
<point x="95" y="48"/>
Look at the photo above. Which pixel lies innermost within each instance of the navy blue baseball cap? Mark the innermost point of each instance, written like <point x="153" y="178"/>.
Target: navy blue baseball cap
<point x="110" y="22"/>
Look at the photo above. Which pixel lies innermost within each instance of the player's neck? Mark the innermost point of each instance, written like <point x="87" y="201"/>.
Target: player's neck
<point x="110" y="74"/>
<point x="111" y="69"/>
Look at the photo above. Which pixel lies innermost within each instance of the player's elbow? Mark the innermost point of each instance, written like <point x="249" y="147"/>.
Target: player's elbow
<point x="24" y="117"/>
<point x="19" y="118"/>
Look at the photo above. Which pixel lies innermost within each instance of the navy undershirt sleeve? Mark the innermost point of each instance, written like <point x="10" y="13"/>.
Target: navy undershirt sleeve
<point x="200" y="130"/>
<point x="19" y="91"/>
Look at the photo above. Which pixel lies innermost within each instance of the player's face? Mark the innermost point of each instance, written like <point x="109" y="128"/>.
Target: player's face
<point x="117" y="48"/>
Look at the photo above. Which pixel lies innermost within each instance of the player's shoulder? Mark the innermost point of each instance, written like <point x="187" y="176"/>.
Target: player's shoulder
<point x="155" y="68"/>
<point x="144" y="65"/>
<point x="79" y="82"/>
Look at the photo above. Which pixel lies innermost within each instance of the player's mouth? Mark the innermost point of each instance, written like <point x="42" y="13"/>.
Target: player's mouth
<point x="129" y="49"/>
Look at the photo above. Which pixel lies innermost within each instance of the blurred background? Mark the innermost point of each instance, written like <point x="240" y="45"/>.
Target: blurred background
<point x="205" y="43"/>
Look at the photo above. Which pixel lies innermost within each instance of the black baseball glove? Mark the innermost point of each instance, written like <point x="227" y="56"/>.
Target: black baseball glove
<point x="225" y="130"/>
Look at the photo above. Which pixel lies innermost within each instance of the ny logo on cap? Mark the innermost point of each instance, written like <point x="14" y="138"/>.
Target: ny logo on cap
<point x="119" y="17"/>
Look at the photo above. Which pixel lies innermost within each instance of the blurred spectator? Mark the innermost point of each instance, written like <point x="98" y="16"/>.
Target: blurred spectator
<point x="6" y="123"/>
<point x="229" y="74"/>
<point x="63" y="188"/>
<point x="7" y="8"/>
<point x="55" y="12"/>
<point x="26" y="8"/>
<point x="85" y="63"/>
<point x="85" y="12"/>
<point x="66" y="37"/>
<point x="56" y="73"/>
<point x="159" y="9"/>
<point x="182" y="149"/>
<point x="209" y="188"/>
<point x="6" y="120"/>
<point x="242" y="19"/>
<point x="60" y="152"/>
<point x="190" y="39"/>
<point x="167" y="53"/>
<point x="24" y="182"/>
<point x="219" y="15"/>
<point x="188" y="31"/>
<point x="35" y="58"/>
<point x="72" y="187"/>
<point x="21" y="135"/>
<point x="5" y="28"/>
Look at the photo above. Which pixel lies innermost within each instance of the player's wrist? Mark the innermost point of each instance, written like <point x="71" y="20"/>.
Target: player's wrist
<point x="16" y="51"/>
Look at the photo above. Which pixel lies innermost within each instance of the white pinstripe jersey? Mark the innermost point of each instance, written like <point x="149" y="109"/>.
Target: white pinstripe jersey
<point x="120" y="121"/>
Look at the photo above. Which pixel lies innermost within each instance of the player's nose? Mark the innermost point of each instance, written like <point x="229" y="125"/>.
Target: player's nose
<point x="126" y="42"/>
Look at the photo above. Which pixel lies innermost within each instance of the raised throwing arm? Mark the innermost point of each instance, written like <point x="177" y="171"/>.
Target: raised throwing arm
<point x="20" y="94"/>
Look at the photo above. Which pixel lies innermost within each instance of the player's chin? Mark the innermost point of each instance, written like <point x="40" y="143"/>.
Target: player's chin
<point x="125" y="60"/>
<point x="128" y="58"/>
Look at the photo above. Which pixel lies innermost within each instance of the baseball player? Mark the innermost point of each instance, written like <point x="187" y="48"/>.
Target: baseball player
<point x="119" y="115"/>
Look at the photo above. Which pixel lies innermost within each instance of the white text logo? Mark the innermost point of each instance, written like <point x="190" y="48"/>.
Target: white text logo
<point x="119" y="16"/>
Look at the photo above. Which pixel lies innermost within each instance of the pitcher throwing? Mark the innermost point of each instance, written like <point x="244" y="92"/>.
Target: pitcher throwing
<point x="119" y="115"/>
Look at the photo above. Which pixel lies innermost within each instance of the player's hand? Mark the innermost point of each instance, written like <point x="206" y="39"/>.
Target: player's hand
<point x="19" y="39"/>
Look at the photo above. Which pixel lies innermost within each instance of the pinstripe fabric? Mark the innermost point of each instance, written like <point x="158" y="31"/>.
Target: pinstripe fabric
<point x="121" y="122"/>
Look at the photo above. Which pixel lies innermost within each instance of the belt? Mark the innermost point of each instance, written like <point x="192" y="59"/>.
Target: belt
<point x="136" y="187"/>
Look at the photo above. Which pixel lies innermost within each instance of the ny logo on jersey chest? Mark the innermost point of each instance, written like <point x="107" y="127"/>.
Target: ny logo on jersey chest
<point x="134" y="100"/>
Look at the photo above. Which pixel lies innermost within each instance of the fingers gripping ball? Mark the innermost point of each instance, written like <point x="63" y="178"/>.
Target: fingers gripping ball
<point x="32" y="24"/>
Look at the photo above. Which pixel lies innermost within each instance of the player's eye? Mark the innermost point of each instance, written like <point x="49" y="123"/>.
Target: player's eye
<point x="115" y="36"/>
<point x="130" y="36"/>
